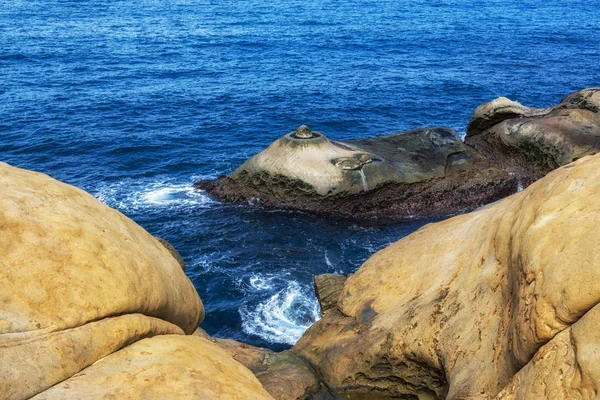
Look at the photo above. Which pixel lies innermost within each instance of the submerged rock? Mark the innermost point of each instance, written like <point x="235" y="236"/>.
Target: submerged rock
<point x="501" y="301"/>
<point x="424" y="172"/>
<point x="531" y="142"/>
<point x="93" y="306"/>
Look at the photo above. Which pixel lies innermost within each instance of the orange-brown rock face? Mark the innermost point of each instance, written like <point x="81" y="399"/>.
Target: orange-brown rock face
<point x="456" y="309"/>
<point x="80" y="281"/>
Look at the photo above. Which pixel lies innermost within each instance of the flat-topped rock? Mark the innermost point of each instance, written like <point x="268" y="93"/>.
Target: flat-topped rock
<point x="419" y="172"/>
<point x="530" y="142"/>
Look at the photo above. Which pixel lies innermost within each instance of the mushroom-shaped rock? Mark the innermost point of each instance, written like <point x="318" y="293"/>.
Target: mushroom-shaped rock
<point x="530" y="142"/>
<point x="459" y="307"/>
<point x="303" y="132"/>
<point x="79" y="281"/>
<point x="420" y="172"/>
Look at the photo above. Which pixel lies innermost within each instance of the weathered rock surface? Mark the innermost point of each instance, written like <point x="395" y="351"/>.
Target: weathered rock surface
<point x="456" y="309"/>
<point x="530" y="142"/>
<point x="80" y="281"/>
<point x="567" y="367"/>
<point x="173" y="251"/>
<point x="284" y="375"/>
<point x="328" y="288"/>
<point x="251" y="357"/>
<point x="288" y="377"/>
<point x="162" y="367"/>
<point x="420" y="172"/>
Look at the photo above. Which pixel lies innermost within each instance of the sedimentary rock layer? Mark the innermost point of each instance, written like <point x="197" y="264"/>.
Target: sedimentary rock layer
<point x="456" y="309"/>
<point x="530" y="142"/>
<point x="425" y="172"/>
<point x="79" y="282"/>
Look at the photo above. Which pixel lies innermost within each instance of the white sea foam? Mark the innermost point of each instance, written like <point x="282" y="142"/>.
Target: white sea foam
<point x="261" y="282"/>
<point x="139" y="195"/>
<point x="283" y="317"/>
<point x="328" y="261"/>
<point x="176" y="194"/>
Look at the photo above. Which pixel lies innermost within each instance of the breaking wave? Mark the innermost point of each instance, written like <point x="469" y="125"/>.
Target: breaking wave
<point x="283" y="317"/>
<point x="135" y="196"/>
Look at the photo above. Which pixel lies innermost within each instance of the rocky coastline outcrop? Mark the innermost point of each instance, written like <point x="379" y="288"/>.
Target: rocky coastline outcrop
<point x="92" y="306"/>
<point x="498" y="302"/>
<point x="423" y="172"/>
<point x="427" y="172"/>
<point x="530" y="142"/>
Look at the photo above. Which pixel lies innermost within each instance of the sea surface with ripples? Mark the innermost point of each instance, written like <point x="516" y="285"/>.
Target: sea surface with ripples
<point x="135" y="100"/>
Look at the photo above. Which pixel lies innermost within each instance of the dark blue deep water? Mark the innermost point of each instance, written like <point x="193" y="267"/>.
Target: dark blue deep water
<point x="135" y="100"/>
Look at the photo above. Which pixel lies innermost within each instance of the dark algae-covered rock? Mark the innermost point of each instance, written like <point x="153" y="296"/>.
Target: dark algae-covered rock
<point x="422" y="172"/>
<point x="530" y="142"/>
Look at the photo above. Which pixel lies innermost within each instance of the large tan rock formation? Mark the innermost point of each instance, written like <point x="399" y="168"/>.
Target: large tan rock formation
<point x="567" y="367"/>
<point x="80" y="281"/>
<point x="456" y="309"/>
<point x="162" y="367"/>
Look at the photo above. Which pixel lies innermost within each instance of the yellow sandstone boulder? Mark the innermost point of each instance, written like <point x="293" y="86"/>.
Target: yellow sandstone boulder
<point x="78" y="282"/>
<point x="567" y="367"/>
<point x="456" y="309"/>
<point x="163" y="367"/>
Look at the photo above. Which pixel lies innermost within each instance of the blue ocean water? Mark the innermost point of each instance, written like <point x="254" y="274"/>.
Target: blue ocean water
<point x="135" y="100"/>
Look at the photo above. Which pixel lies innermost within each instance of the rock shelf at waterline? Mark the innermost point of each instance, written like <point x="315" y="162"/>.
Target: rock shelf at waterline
<point x="427" y="172"/>
<point x="530" y="142"/>
<point x="422" y="172"/>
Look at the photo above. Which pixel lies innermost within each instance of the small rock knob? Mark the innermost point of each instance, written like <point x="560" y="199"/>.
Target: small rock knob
<point x="303" y="132"/>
